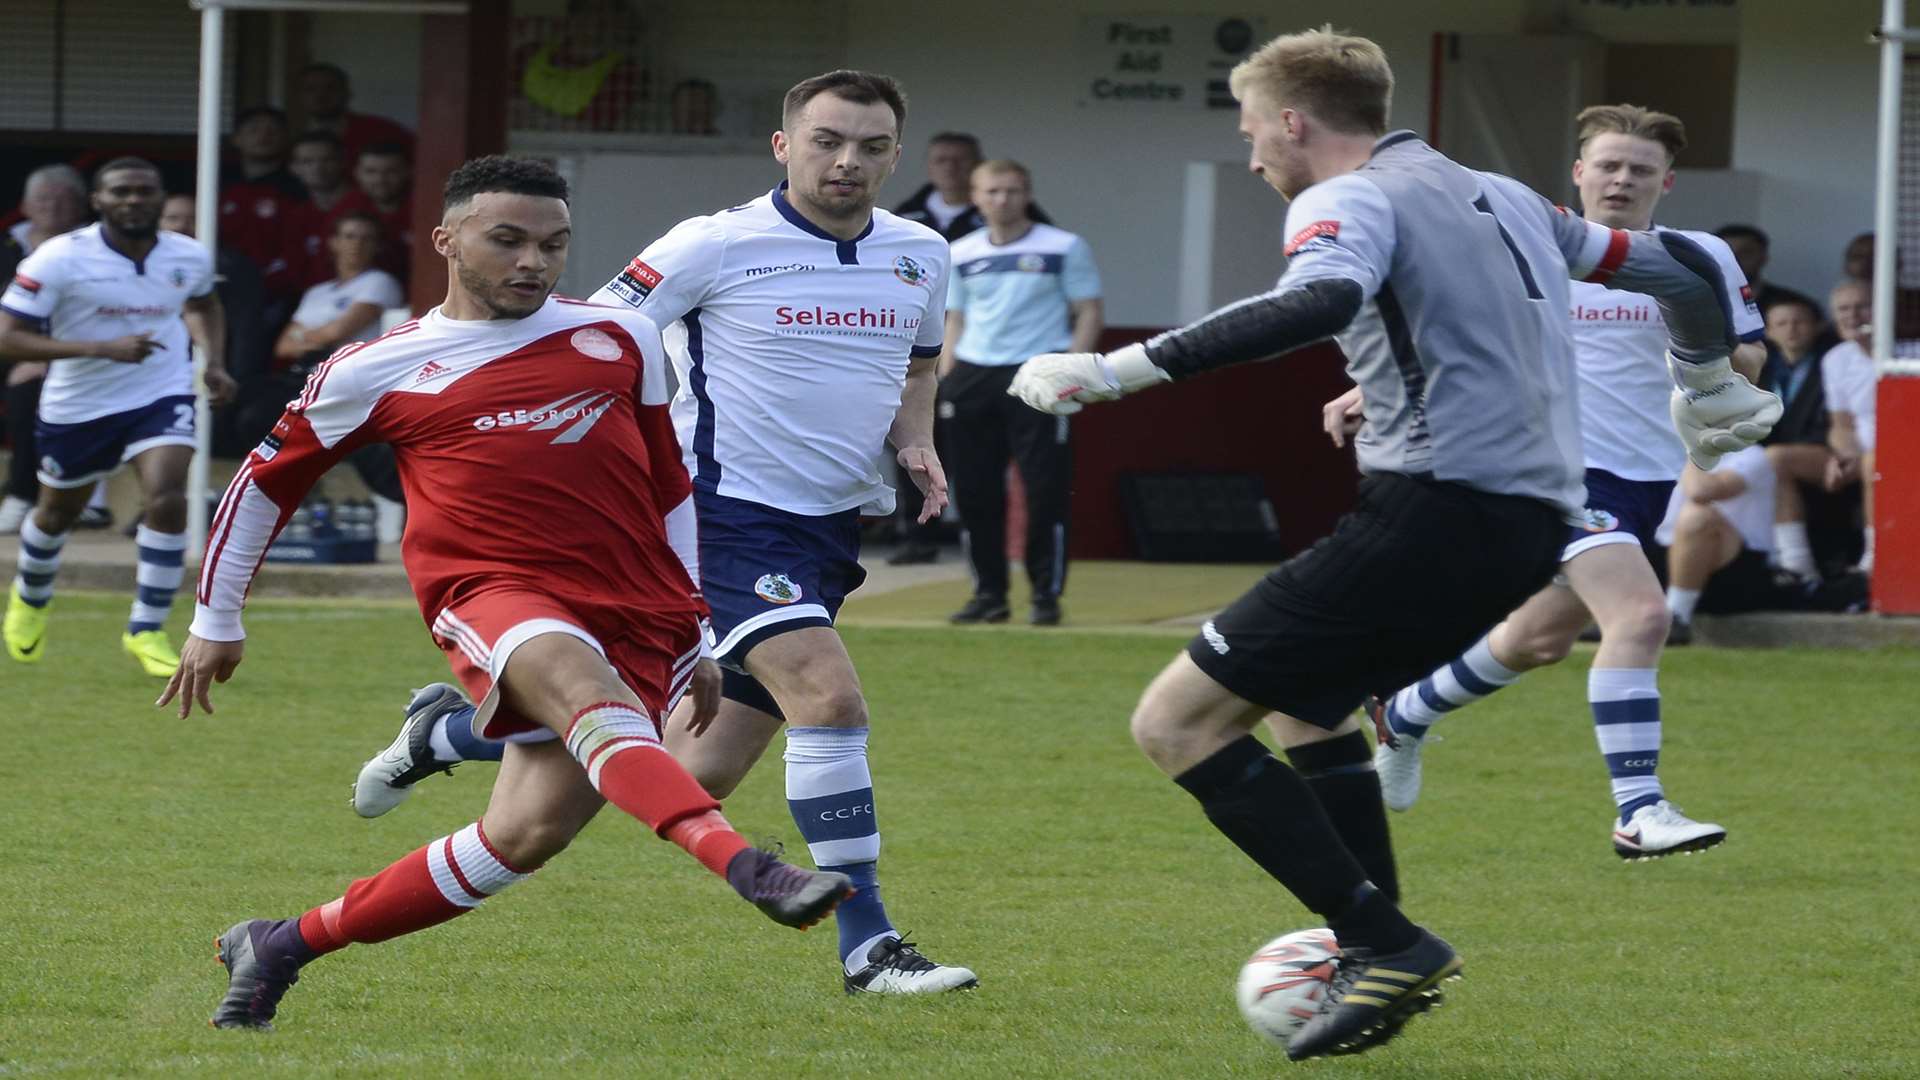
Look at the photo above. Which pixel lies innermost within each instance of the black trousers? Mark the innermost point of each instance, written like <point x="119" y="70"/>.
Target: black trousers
<point x="23" y="403"/>
<point x="987" y="427"/>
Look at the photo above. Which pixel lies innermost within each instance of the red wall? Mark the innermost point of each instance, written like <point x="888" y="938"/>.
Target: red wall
<point x="1896" y="498"/>
<point x="1262" y="418"/>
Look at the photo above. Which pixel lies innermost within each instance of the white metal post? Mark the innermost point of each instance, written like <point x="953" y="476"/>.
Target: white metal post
<point x="206" y="201"/>
<point x="1886" y="194"/>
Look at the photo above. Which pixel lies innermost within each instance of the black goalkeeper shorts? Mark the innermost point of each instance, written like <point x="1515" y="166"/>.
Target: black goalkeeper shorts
<point x="1411" y="577"/>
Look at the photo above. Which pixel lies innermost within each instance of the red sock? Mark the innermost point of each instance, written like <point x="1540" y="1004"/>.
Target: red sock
<point x="447" y="878"/>
<point x="620" y="748"/>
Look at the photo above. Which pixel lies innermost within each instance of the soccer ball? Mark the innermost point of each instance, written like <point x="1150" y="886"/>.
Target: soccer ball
<point x="1283" y="985"/>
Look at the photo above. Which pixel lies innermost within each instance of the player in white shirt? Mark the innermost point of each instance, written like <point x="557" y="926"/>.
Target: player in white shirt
<point x="105" y="305"/>
<point x="805" y="329"/>
<point x="346" y="308"/>
<point x="1632" y="458"/>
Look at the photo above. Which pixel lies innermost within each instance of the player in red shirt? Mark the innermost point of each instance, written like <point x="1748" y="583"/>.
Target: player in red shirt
<point x="551" y="544"/>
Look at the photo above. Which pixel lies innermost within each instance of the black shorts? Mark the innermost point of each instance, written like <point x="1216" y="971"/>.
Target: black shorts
<point x="1414" y="574"/>
<point x="1745" y="584"/>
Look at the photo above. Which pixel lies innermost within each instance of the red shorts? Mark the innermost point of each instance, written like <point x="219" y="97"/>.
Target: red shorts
<point x="653" y="653"/>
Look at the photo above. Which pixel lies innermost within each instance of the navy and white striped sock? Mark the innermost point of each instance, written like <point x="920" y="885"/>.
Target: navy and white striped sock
<point x="162" y="558"/>
<point x="830" y="792"/>
<point x="1626" y="723"/>
<point x="1475" y="674"/>
<point x="39" y="560"/>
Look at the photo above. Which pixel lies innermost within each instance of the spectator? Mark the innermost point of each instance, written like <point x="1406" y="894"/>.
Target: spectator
<point x="1798" y="445"/>
<point x="53" y="201"/>
<point x="242" y="294"/>
<point x="319" y="160"/>
<point x="1751" y="249"/>
<point x="945" y="202"/>
<point x="1849" y="383"/>
<point x="1718" y="533"/>
<point x="383" y="175"/>
<point x="693" y="105"/>
<point x="1018" y="289"/>
<point x="348" y="307"/>
<point x="260" y="200"/>
<point x="324" y="96"/>
<point x="1856" y="262"/>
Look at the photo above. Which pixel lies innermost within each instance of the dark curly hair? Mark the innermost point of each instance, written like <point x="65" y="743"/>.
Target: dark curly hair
<point x="498" y="172"/>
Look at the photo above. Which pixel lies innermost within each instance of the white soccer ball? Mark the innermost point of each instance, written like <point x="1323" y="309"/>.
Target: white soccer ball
<point x="1284" y="984"/>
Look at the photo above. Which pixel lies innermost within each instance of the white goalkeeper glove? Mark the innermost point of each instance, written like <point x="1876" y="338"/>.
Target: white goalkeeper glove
<point x="1716" y="410"/>
<point x="1061" y="383"/>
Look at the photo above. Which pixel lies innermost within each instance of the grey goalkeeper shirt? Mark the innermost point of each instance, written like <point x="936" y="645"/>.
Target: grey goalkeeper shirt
<point x="1447" y="289"/>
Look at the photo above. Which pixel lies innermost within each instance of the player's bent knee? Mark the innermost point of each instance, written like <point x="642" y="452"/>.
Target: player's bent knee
<point x="166" y="508"/>
<point x="528" y="843"/>
<point x="1543" y="648"/>
<point x="1644" y="620"/>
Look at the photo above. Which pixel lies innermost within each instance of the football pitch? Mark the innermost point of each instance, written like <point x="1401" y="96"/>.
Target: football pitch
<point x="1025" y="837"/>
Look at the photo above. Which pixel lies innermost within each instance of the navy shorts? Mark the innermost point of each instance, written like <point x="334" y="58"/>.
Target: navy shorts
<point x="75" y="455"/>
<point x="1618" y="512"/>
<point x="767" y="571"/>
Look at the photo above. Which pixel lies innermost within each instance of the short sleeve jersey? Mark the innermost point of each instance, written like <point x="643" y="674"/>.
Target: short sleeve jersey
<point x="79" y="287"/>
<point x="1847" y="376"/>
<point x="1015" y="296"/>
<point x="1620" y="347"/>
<point x="1750" y="512"/>
<point x="791" y="347"/>
<point x="328" y="300"/>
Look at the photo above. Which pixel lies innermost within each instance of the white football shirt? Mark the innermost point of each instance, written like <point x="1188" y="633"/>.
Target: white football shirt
<point x="1620" y="347"/>
<point x="791" y="347"/>
<point x="81" y="288"/>
<point x="1847" y="376"/>
<point x="1750" y="512"/>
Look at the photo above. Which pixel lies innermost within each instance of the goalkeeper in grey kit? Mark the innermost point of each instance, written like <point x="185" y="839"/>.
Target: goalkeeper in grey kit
<point x="1447" y="290"/>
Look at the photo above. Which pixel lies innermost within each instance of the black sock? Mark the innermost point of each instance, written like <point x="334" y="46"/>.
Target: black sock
<point x="1271" y="814"/>
<point x="1340" y="773"/>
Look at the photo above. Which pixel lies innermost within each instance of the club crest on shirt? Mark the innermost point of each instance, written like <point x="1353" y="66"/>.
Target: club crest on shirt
<point x="1030" y="263"/>
<point x="1320" y="234"/>
<point x="909" y="271"/>
<point x="1598" y="521"/>
<point x="177" y="277"/>
<point x="776" y="589"/>
<point x="596" y="344"/>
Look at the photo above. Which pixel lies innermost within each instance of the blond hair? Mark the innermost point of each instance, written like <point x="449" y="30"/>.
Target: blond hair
<point x="1636" y="120"/>
<point x="1006" y="167"/>
<point x="1343" y="82"/>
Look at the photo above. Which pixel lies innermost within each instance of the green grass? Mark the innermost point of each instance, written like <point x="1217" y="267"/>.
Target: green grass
<point x="1025" y="837"/>
<point x="1102" y="594"/>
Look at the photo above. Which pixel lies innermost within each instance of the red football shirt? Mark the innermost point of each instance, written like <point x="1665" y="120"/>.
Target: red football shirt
<point x="534" y="452"/>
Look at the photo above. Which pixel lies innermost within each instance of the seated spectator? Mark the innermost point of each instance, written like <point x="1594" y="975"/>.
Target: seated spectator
<point x="53" y="201"/>
<point x="1850" y="385"/>
<point x="1857" y="263"/>
<point x="1798" y="445"/>
<point x="325" y="94"/>
<point x="260" y="199"/>
<point x="1719" y="532"/>
<point x="382" y="176"/>
<point x="319" y="160"/>
<point x="1751" y="249"/>
<point x="242" y="293"/>
<point x="346" y="308"/>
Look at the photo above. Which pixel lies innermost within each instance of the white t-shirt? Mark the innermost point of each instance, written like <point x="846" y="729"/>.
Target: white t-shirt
<point x="791" y="347"/>
<point x="1847" y="376"/>
<point x="81" y="288"/>
<point x="328" y="300"/>
<point x="944" y="212"/>
<point x="1750" y="512"/>
<point x="1620" y="348"/>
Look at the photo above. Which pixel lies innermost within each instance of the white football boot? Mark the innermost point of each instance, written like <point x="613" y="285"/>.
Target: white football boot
<point x="1396" y="759"/>
<point x="895" y="966"/>
<point x="387" y="779"/>
<point x="1660" y="829"/>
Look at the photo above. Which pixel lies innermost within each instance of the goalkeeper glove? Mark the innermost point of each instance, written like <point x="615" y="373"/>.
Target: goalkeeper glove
<point x="1061" y="383"/>
<point x="1717" y="411"/>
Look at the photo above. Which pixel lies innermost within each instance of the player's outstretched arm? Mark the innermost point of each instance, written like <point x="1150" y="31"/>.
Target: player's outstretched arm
<point x="206" y="320"/>
<point x="202" y="663"/>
